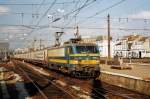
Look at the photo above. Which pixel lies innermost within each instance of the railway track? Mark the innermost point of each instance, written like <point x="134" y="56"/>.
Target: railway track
<point x="90" y="88"/>
<point x="46" y="87"/>
<point x="16" y="85"/>
<point x="97" y="89"/>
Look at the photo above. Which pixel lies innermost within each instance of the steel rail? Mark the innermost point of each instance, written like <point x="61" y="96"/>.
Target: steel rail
<point x="73" y="97"/>
<point x="33" y="82"/>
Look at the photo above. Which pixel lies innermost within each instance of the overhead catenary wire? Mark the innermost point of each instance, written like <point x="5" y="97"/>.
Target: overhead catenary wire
<point x="78" y="11"/>
<point x="61" y="17"/>
<point x="67" y="13"/>
<point x="30" y="4"/>
<point x="33" y="28"/>
<point x="113" y="19"/>
<point x="75" y="7"/>
<point x="38" y="9"/>
<point x="86" y="3"/>
<point x="43" y="16"/>
<point x="101" y="11"/>
<point x="75" y="10"/>
<point x="46" y="12"/>
<point x="96" y="28"/>
<point x="104" y="28"/>
<point x="23" y="4"/>
<point x="127" y="19"/>
<point x="81" y="9"/>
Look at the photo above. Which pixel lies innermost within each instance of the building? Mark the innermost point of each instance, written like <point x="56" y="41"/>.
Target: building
<point x="121" y="47"/>
<point x="102" y="42"/>
<point x="134" y="46"/>
<point x="137" y="47"/>
<point x="4" y="50"/>
<point x="146" y="46"/>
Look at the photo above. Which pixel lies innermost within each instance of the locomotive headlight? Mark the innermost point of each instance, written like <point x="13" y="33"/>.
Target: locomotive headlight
<point x="97" y="61"/>
<point x="75" y="62"/>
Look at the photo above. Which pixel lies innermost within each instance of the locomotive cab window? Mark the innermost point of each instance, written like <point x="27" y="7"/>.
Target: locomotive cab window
<point x="86" y="49"/>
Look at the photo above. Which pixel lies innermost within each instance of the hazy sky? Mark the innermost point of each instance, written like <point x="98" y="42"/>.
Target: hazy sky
<point x="22" y="21"/>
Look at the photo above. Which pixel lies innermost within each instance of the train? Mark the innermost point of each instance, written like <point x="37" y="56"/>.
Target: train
<point x="75" y="59"/>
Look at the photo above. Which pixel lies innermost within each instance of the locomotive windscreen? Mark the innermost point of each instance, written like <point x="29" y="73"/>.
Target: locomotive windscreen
<point x="87" y="49"/>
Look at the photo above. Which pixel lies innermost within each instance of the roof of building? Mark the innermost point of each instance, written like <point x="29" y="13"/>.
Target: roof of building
<point x="131" y="38"/>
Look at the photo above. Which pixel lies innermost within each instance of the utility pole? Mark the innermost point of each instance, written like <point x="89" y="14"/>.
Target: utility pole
<point x="108" y="22"/>
<point x="5" y="54"/>
<point x="22" y="15"/>
<point x="57" y="36"/>
<point x="40" y="43"/>
<point x="34" y="44"/>
<point x="77" y="33"/>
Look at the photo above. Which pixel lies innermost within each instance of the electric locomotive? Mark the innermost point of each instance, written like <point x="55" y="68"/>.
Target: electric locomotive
<point x="75" y="58"/>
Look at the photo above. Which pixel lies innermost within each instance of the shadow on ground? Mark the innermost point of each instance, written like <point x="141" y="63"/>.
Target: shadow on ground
<point x="98" y="92"/>
<point x="20" y="90"/>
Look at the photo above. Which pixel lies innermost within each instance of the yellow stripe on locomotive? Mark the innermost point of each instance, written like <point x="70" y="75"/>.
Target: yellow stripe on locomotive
<point x="81" y="62"/>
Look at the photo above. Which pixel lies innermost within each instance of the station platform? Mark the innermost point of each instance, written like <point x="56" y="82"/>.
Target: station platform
<point x="138" y="70"/>
<point x="135" y="79"/>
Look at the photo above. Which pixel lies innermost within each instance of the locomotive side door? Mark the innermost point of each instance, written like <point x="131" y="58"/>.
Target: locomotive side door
<point x="68" y="55"/>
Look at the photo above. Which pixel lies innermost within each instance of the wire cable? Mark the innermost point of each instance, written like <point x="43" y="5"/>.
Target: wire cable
<point x="42" y="17"/>
<point x="101" y="11"/>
